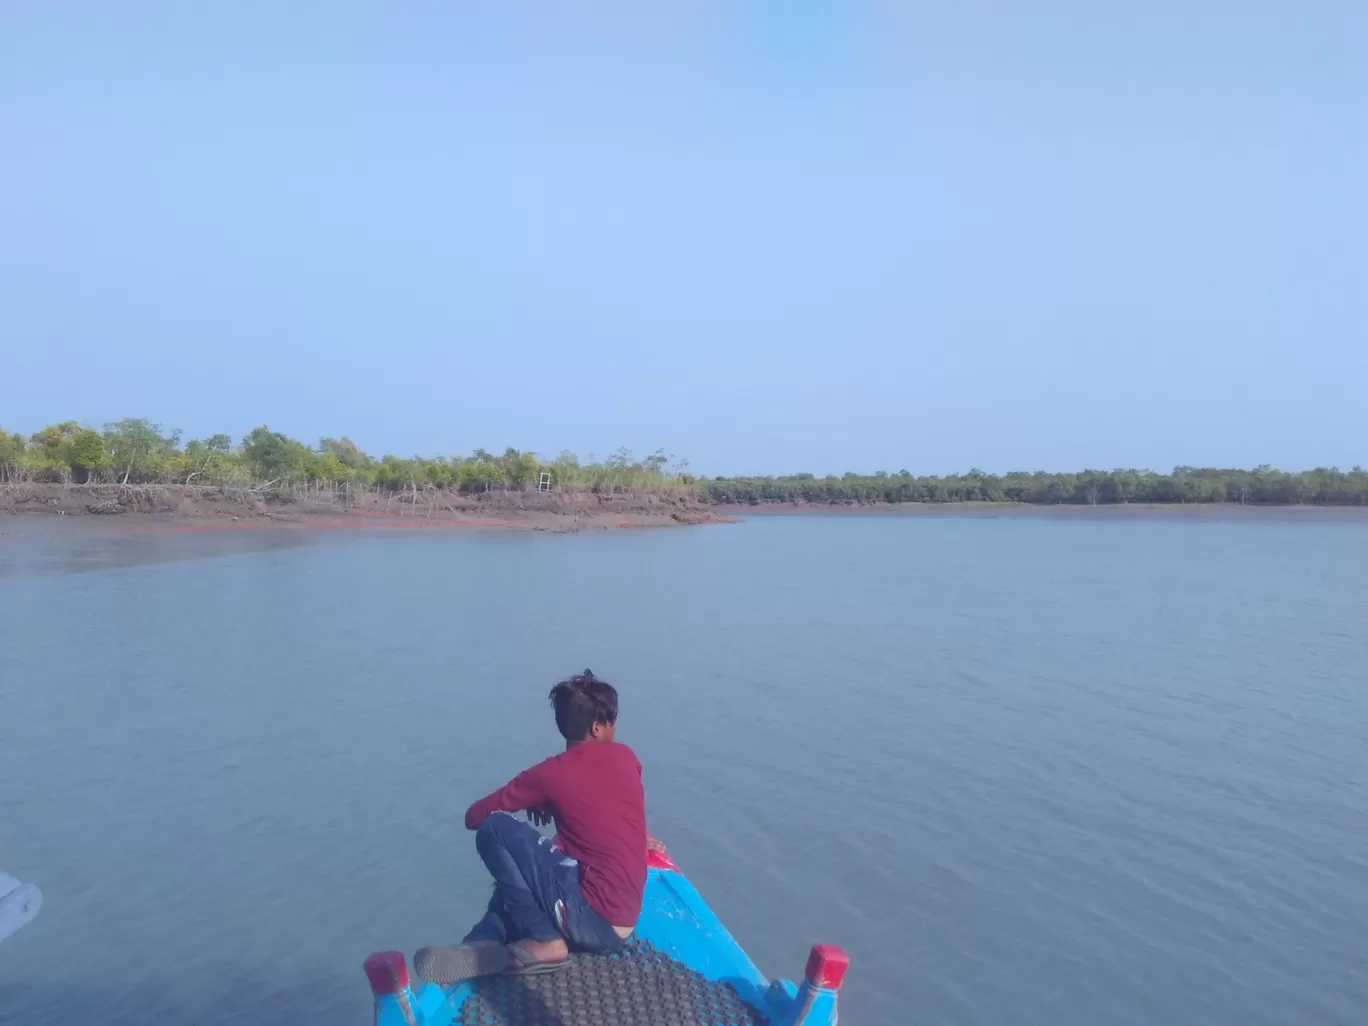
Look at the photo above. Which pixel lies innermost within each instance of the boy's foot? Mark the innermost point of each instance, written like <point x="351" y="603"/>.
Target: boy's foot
<point x="463" y="962"/>
<point x="532" y="958"/>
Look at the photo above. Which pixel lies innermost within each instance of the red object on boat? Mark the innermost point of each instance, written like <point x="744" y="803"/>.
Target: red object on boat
<point x="827" y="966"/>
<point x="388" y="972"/>
<point x="659" y="859"/>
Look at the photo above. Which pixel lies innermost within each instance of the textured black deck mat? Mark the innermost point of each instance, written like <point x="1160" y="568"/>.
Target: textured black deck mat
<point x="638" y="987"/>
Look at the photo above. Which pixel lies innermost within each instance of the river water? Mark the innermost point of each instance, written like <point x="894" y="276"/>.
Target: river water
<point x="1026" y="770"/>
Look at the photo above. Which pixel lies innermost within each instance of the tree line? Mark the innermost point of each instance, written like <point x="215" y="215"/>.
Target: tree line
<point x="137" y="451"/>
<point x="1263" y="485"/>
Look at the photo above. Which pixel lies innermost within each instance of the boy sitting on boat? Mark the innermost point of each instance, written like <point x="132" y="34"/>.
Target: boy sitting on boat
<point x="582" y="891"/>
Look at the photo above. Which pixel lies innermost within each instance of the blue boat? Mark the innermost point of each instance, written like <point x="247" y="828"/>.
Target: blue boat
<point x="681" y="968"/>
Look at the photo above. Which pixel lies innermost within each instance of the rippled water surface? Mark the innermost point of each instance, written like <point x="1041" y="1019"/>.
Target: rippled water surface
<point x="1027" y="771"/>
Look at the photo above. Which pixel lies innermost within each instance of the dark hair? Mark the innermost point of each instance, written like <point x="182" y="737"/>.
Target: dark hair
<point x="580" y="702"/>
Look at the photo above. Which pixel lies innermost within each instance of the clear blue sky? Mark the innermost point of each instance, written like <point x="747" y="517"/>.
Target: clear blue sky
<point x="770" y="236"/>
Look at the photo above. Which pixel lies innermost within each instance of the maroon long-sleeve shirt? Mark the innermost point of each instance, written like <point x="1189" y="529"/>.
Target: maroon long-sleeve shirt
<point x="594" y="792"/>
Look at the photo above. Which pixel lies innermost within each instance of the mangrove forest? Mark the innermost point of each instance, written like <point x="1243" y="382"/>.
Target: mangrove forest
<point x="135" y="451"/>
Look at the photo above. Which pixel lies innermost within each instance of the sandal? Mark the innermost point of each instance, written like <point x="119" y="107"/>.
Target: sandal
<point x="524" y="964"/>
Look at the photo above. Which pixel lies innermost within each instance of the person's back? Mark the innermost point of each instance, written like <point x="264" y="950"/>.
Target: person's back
<point x="586" y="889"/>
<point x="594" y="793"/>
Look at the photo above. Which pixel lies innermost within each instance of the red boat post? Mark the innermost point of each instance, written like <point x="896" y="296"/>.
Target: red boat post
<point x="389" y="981"/>
<point x="816" y="1001"/>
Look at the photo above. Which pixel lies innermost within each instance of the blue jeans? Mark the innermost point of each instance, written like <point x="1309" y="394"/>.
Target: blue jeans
<point x="537" y="893"/>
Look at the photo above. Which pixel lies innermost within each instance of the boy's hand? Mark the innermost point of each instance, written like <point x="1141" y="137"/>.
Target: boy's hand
<point x="539" y="816"/>
<point x="654" y="845"/>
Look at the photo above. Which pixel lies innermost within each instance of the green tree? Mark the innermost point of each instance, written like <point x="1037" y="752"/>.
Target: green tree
<point x="520" y="469"/>
<point x="87" y="454"/>
<point x="272" y="457"/>
<point x="135" y="444"/>
<point x="346" y="452"/>
<point x="332" y="470"/>
<point x="49" y="452"/>
<point x="11" y="455"/>
<point x="1090" y="485"/>
<point x="208" y="458"/>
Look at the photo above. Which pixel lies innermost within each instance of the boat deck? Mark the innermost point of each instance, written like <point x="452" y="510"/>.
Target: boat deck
<point x="682" y="969"/>
<point x="638" y="985"/>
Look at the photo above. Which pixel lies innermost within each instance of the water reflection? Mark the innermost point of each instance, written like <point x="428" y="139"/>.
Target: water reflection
<point x="54" y="546"/>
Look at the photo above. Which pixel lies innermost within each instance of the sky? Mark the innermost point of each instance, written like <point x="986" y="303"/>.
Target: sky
<point x="770" y="237"/>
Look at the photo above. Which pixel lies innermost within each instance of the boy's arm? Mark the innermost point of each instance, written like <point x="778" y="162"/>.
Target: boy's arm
<point x="525" y="791"/>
